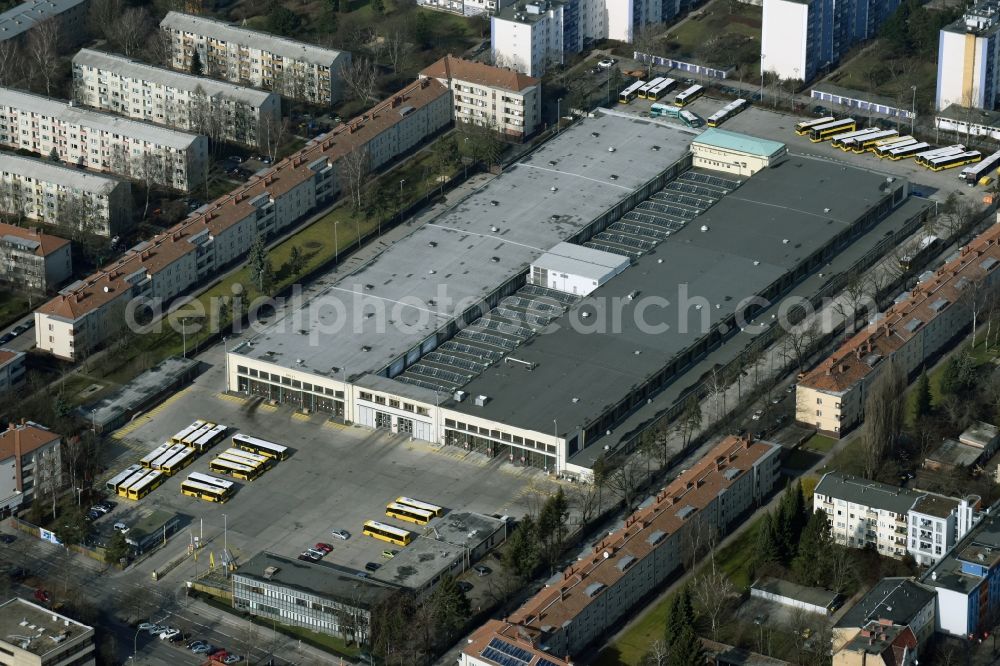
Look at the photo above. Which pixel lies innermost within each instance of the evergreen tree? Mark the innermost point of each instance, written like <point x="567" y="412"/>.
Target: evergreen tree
<point x="296" y="261"/>
<point x="378" y="6"/>
<point x="767" y="549"/>
<point x="923" y="403"/>
<point x="674" y="624"/>
<point x="687" y="650"/>
<point x="790" y="520"/>
<point x="196" y="67"/>
<point x="117" y="548"/>
<point x="520" y="555"/>
<point x="811" y="564"/>
<point x="552" y="525"/>
<point x="450" y="608"/>
<point x="257" y="261"/>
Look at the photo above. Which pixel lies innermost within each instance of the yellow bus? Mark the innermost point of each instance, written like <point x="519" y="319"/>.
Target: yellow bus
<point x="208" y="438"/>
<point x="187" y="432"/>
<point x="147" y="460"/>
<point x="384" y="532"/>
<point x="260" y="446"/>
<point x="178" y="462"/>
<point x="803" y="128"/>
<point x="687" y="96"/>
<point x="251" y="458"/>
<point x="239" y="470"/>
<point x="127" y="483"/>
<point x="145" y="485"/>
<point x="115" y="482"/>
<point x="831" y="129"/>
<point x="423" y="506"/>
<point x="207" y="488"/>
<point x="408" y="514"/>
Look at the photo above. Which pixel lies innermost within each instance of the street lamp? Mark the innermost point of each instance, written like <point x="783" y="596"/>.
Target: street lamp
<point x="93" y="420"/>
<point x="336" y="247"/>
<point x="762" y="78"/>
<point x="558" y="114"/>
<point x="225" y="543"/>
<point x="913" y="108"/>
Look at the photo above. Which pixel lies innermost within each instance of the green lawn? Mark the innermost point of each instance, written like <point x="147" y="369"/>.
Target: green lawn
<point x="719" y="34"/>
<point x="819" y="443"/>
<point x="875" y="70"/>
<point x="12" y="308"/>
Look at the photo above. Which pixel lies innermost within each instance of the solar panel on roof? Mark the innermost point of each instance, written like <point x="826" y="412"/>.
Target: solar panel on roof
<point x="544" y="662"/>
<point x="519" y="655"/>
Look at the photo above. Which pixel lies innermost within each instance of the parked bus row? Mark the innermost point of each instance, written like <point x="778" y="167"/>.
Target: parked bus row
<point x="240" y="464"/>
<point x="671" y="111"/>
<point x="983" y="172"/>
<point x="207" y="487"/>
<point x="136" y="482"/>
<point x="413" y="511"/>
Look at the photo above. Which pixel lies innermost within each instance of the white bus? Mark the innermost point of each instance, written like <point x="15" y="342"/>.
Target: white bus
<point x="986" y="168"/>
<point x="726" y="112"/>
<point x="147" y="460"/>
<point x="246" y="455"/>
<point x="417" y="504"/>
<point x="260" y="446"/>
<point x="644" y="90"/>
<point x="183" y="434"/>
<point x="661" y="89"/>
<point x="118" y="479"/>
<point x="208" y="438"/>
<point x="631" y="92"/>
<point x="690" y="119"/>
<point x="924" y="157"/>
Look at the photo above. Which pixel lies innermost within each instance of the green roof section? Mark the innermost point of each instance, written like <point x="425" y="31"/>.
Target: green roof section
<point x="743" y="143"/>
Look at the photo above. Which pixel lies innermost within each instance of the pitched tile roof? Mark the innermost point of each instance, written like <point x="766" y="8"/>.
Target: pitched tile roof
<point x="450" y="67"/>
<point x="24" y="438"/>
<point x="45" y="244"/>
<point x="165" y="248"/>
<point x="857" y="357"/>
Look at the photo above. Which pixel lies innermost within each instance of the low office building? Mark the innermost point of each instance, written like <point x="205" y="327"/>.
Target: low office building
<point x="317" y="597"/>
<point x="32" y="261"/>
<point x="466" y="7"/>
<point x="222" y="111"/>
<point x="799" y="38"/>
<point x="32" y="635"/>
<point x="967" y="122"/>
<point x="831" y="396"/>
<point x="899" y="602"/>
<point x="597" y="591"/>
<point x="787" y="593"/>
<point x="894" y="521"/>
<point x="865" y="513"/>
<point x="23" y="16"/>
<point x="968" y="71"/>
<point x="735" y="153"/>
<point x="151" y="530"/>
<point x="294" y="69"/>
<point x="493" y="97"/>
<point x="951" y="455"/>
<point x="63" y="196"/>
<point x="879" y="644"/>
<point x="150" y="388"/>
<point x="28" y="455"/>
<point x="220" y="233"/>
<point x="102" y="142"/>
<point x="967" y="582"/>
<point x="12" y="373"/>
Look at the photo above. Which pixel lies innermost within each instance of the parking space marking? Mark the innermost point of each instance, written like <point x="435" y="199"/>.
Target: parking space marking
<point x="333" y="424"/>
<point x="264" y="407"/>
<point x="230" y="398"/>
<point x="299" y="416"/>
<point x="126" y="429"/>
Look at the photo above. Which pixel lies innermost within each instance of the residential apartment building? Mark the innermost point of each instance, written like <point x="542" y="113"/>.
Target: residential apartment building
<point x="320" y="598"/>
<point x="597" y="591"/>
<point x="466" y="7"/>
<point x="32" y="635"/>
<point x="66" y="197"/>
<point x="879" y="644"/>
<point x="222" y="111"/>
<point x="894" y="521"/>
<point x="220" y="234"/>
<point x="899" y="602"/>
<point x="32" y="261"/>
<point x="531" y="37"/>
<point x="865" y="513"/>
<point x="11" y="370"/>
<point x="968" y="74"/>
<point x="967" y="582"/>
<point x="294" y="69"/>
<point x="490" y="96"/>
<point x="28" y="455"/>
<point x="799" y="38"/>
<point x="23" y="16"/>
<point x="831" y="396"/>
<point x="101" y="141"/>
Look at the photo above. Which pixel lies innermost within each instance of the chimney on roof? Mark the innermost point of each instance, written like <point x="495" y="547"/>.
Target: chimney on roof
<point x="424" y="83"/>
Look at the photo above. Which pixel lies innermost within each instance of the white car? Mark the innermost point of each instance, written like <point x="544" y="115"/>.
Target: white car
<point x="169" y="633"/>
<point x="121" y="527"/>
<point x="341" y="534"/>
<point x="607" y="63"/>
<point x="756" y="415"/>
<point x="318" y="554"/>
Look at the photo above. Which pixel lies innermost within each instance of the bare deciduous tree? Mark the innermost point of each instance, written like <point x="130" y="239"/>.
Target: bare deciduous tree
<point x="130" y="29"/>
<point x="355" y="167"/>
<point x="361" y="78"/>
<point x="395" y="48"/>
<point x="271" y="135"/>
<point x="713" y="592"/>
<point x="10" y="62"/>
<point x="42" y="52"/>
<point x="883" y="417"/>
<point x="624" y="481"/>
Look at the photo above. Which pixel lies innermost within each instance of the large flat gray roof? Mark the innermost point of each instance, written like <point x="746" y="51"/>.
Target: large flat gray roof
<point x="48" y="171"/>
<point x="26" y="15"/>
<point x="418" y="564"/>
<point x="62" y="110"/>
<point x="578" y="374"/>
<point x="127" y="68"/>
<point x="868" y="493"/>
<point x="441" y="268"/>
<point x="316" y="579"/>
<point x="896" y="599"/>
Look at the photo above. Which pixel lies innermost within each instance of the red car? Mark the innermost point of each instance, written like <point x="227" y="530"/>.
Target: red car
<point x="42" y="596"/>
<point x="325" y="547"/>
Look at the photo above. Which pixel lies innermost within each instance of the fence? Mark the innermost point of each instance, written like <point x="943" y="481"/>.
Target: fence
<point x="689" y="67"/>
<point x="96" y="553"/>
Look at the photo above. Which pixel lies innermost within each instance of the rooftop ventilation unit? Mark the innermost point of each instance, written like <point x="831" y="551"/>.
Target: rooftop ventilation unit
<point x="494" y="228"/>
<point x="269" y="572"/>
<point x="611" y="149"/>
<point x="459" y="396"/>
<point x="481" y="400"/>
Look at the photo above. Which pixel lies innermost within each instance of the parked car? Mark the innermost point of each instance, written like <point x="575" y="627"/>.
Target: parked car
<point x="325" y="547"/>
<point x="318" y="554"/>
<point x="308" y="557"/>
<point x="42" y="596"/>
<point x="19" y="329"/>
<point x="100" y="508"/>
<point x="169" y="633"/>
<point x="17" y="574"/>
<point x="607" y="63"/>
<point x="147" y="626"/>
<point x="372" y="566"/>
<point x="464" y="586"/>
<point x="7" y="538"/>
<point x="203" y="648"/>
<point x="194" y="644"/>
<point x="757" y="414"/>
<point x="108" y="504"/>
<point x="389" y="554"/>
<point x="341" y="534"/>
<point x="121" y="527"/>
<point x="482" y="570"/>
<point x="94" y="515"/>
<point x="7" y="337"/>
<point x="232" y="659"/>
<point x="235" y="158"/>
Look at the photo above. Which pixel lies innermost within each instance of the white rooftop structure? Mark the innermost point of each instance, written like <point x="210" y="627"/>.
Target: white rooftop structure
<point x="54" y="172"/>
<point x="568" y="260"/>
<point x="66" y="112"/>
<point x="133" y="69"/>
<point x="288" y="48"/>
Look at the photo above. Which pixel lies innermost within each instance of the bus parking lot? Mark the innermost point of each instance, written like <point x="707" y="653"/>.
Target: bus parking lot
<point x="335" y="478"/>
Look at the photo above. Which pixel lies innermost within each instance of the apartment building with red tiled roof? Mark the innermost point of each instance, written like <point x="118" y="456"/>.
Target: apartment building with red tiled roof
<point x="831" y="396"/>
<point x="11" y="370"/>
<point x="596" y="592"/>
<point x="220" y="233"/>
<point x="482" y="94"/>
<point x="29" y="455"/>
<point x="33" y="261"/>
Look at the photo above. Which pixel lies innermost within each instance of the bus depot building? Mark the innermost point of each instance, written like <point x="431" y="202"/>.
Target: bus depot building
<point x="457" y="334"/>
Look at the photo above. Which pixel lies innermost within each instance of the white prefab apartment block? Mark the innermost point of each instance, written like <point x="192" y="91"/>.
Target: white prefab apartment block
<point x="24" y="16"/>
<point x="530" y="41"/>
<point x="784" y="37"/>
<point x="494" y="97"/>
<point x="294" y="69"/>
<point x="936" y="523"/>
<point x="28" y="455"/>
<point x="101" y="141"/>
<point x="968" y="59"/>
<point x="575" y="269"/>
<point x="136" y="90"/>
<point x="62" y="196"/>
